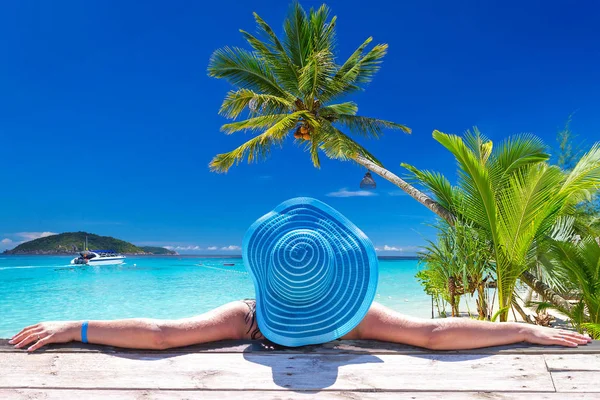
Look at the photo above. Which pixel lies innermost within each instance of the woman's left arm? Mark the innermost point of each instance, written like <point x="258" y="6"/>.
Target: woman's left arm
<point x="384" y="324"/>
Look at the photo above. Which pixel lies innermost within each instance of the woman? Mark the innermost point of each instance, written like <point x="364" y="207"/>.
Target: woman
<point x="316" y="275"/>
<point x="236" y="320"/>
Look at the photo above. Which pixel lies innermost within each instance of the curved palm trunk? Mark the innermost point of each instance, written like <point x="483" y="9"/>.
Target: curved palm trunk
<point x="544" y="290"/>
<point x="408" y="188"/>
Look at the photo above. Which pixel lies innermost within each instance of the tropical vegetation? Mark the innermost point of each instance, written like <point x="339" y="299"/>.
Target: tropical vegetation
<point x="498" y="222"/>
<point x="157" y="250"/>
<point x="577" y="263"/>
<point x="511" y="195"/>
<point x="456" y="264"/>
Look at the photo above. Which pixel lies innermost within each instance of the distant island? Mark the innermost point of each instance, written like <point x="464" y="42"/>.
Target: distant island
<point x="74" y="242"/>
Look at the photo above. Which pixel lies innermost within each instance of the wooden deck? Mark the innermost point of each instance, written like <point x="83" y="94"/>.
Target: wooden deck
<point x="337" y="370"/>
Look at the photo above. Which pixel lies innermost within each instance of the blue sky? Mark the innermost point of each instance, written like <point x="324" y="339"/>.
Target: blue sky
<point x="108" y="118"/>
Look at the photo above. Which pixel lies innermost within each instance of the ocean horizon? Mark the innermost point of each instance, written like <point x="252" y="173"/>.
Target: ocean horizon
<point x="191" y="255"/>
<point x="38" y="288"/>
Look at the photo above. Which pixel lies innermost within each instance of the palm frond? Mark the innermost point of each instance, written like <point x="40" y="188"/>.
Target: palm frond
<point x="585" y="176"/>
<point x="479" y="145"/>
<point x="480" y="204"/>
<point x="245" y="70"/>
<point x="356" y="71"/>
<point x="339" y="146"/>
<point x="297" y="35"/>
<point x="312" y="146"/>
<point x="331" y="111"/>
<point x="580" y="262"/>
<point x="274" y="122"/>
<point x="368" y="127"/>
<point x="524" y="204"/>
<point x="285" y="69"/>
<point x="314" y="76"/>
<point x="352" y="60"/>
<point x="257" y="148"/>
<point x="255" y="123"/>
<point x="257" y="103"/>
<point x="322" y="32"/>
<point x="592" y="329"/>
<point x="368" y="65"/>
<point x="516" y="152"/>
<point x="445" y="194"/>
<point x="563" y="229"/>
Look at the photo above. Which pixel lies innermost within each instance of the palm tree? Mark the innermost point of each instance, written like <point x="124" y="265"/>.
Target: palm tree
<point x="579" y="263"/>
<point x="295" y="86"/>
<point x="512" y="195"/>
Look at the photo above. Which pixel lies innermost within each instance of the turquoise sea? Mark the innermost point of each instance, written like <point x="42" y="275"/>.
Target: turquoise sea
<point x="44" y="288"/>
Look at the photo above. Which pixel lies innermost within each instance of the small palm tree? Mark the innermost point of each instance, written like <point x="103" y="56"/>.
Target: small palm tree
<point x="458" y="263"/>
<point x="294" y="86"/>
<point x="512" y="195"/>
<point x="579" y="262"/>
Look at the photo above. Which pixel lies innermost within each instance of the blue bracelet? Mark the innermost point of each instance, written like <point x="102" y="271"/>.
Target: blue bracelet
<point x="84" y="327"/>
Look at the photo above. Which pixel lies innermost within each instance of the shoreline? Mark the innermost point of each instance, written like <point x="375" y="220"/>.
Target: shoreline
<point x="381" y="258"/>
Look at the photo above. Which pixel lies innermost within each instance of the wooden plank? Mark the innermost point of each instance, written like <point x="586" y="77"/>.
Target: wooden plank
<point x="337" y="346"/>
<point x="577" y="381"/>
<point x="573" y="362"/>
<point x="61" y="394"/>
<point x="276" y="371"/>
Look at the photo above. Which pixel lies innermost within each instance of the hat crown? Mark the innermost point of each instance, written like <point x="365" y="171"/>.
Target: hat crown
<point x="301" y="266"/>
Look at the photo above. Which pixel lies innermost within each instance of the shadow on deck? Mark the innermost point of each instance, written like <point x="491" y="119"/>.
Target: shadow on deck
<point x="336" y="370"/>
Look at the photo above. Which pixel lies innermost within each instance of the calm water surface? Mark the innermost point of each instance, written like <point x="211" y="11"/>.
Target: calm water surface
<point x="43" y="288"/>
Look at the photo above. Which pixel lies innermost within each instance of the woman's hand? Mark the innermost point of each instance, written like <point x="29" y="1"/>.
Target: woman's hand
<point x="44" y="333"/>
<point x="542" y="335"/>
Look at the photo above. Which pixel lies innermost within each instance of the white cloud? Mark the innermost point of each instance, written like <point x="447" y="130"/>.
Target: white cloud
<point x="6" y="241"/>
<point x="403" y="249"/>
<point x="192" y="247"/>
<point x="34" y="235"/>
<point x="344" y="192"/>
<point x="388" y="248"/>
<point x="184" y="248"/>
<point x="231" y="248"/>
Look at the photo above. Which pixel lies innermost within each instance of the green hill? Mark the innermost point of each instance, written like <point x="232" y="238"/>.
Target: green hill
<point x="158" y="250"/>
<point x="73" y="242"/>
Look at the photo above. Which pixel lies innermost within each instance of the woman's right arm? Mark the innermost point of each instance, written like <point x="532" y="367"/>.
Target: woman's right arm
<point x="225" y="322"/>
<point x="132" y="333"/>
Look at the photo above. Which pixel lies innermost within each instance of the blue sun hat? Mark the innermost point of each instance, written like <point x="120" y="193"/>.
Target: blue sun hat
<point x="314" y="272"/>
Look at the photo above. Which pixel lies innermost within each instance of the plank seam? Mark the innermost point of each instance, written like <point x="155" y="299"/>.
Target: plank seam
<point x="571" y="370"/>
<point x="550" y="373"/>
<point x="274" y="390"/>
